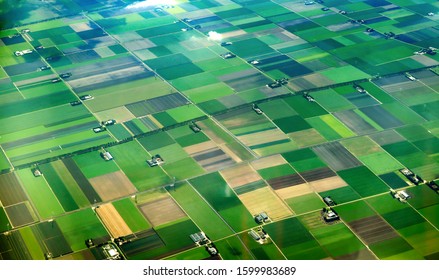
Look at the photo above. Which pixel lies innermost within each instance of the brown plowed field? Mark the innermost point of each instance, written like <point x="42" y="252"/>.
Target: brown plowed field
<point x="328" y="184"/>
<point x="267" y="162"/>
<point x="294" y="191"/>
<point x="240" y="175"/>
<point x="286" y="181"/>
<point x="10" y="190"/>
<point x="317" y="174"/>
<point x="113" y="221"/>
<point x="372" y="229"/>
<point x="162" y="211"/>
<point x="112" y="185"/>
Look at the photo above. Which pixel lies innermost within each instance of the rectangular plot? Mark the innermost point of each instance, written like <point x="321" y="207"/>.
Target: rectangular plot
<point x="373" y="229"/>
<point x="166" y="102"/>
<point x="381" y="117"/>
<point x="210" y="158"/>
<point x="81" y="180"/>
<point x="240" y="175"/>
<point x="317" y="174"/>
<point x="112" y="185"/>
<point x="162" y="211"/>
<point x="336" y="156"/>
<point x="286" y="181"/>
<point x="17" y="247"/>
<point x="113" y="221"/>
<point x="21" y="214"/>
<point x="53" y="238"/>
<point x="58" y="187"/>
<point x="354" y="122"/>
<point x="363" y="181"/>
<point x="140" y="108"/>
<point x="150" y="240"/>
<point x="10" y="190"/>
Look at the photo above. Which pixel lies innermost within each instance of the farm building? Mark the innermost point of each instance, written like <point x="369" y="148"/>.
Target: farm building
<point x="155" y="161"/>
<point x="107" y="156"/>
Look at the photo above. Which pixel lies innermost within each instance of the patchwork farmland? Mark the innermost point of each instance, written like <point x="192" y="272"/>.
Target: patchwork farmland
<point x="278" y="130"/>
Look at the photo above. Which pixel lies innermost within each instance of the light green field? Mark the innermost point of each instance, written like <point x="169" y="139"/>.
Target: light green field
<point x="338" y="240"/>
<point x="43" y="198"/>
<point x="131" y="215"/>
<point x="92" y="164"/>
<point x="4" y="163"/>
<point x="305" y="203"/>
<point x="183" y="169"/>
<point x="344" y="74"/>
<point x="200" y="212"/>
<point x="131" y="158"/>
<point x="32" y="243"/>
<point x="361" y="146"/>
<point x="209" y="92"/>
<point x="126" y="93"/>
<point x="185" y="113"/>
<point x="70" y="183"/>
<point x="80" y="226"/>
<point x="380" y="163"/>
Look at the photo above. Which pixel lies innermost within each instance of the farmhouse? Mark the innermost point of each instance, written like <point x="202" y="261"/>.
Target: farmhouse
<point x="23" y="52"/>
<point x="111" y="252"/>
<point x="228" y="55"/>
<point x="329" y="215"/>
<point x="107" y="156"/>
<point x="256" y="108"/>
<point x="415" y="179"/>
<point x="99" y="129"/>
<point x="86" y="97"/>
<point x="155" y="161"/>
<point x="36" y="172"/>
<point x="259" y="235"/>
<point x="400" y="195"/>
<point x="199" y="238"/>
<point x="195" y="128"/>
<point x="434" y="186"/>
<point x="328" y="200"/>
<point x="109" y="122"/>
<point x="262" y="218"/>
<point x="75" y="103"/>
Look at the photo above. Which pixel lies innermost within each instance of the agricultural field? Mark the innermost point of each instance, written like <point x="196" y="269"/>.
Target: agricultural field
<point x="140" y="124"/>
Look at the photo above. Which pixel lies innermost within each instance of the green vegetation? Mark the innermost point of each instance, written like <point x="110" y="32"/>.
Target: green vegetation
<point x="199" y="211"/>
<point x="131" y="215"/>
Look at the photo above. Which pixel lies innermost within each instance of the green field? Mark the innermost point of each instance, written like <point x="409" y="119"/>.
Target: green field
<point x="200" y="212"/>
<point x="93" y="165"/>
<point x="363" y="181"/>
<point x="155" y="69"/>
<point x="131" y="215"/>
<point x="80" y="226"/>
<point x="40" y="193"/>
<point x="219" y="195"/>
<point x="131" y="158"/>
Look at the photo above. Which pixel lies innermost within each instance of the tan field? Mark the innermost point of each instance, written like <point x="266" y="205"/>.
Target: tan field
<point x="230" y="153"/>
<point x="262" y="137"/>
<point x="264" y="200"/>
<point x="121" y="112"/>
<point x="328" y="184"/>
<point x="233" y="34"/>
<point x="113" y="185"/>
<point x="113" y="221"/>
<point x="201" y="147"/>
<point x="267" y="162"/>
<point x="294" y="191"/>
<point x="162" y="211"/>
<point x="240" y="175"/>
